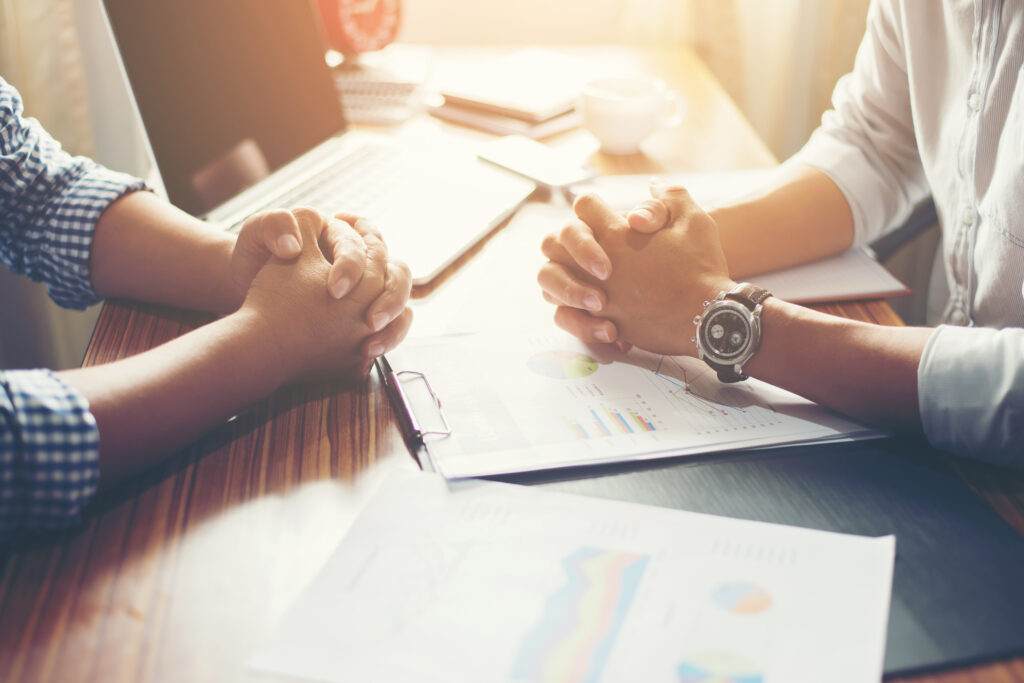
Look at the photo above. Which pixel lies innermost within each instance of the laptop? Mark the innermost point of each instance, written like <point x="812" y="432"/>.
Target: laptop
<point x="241" y="113"/>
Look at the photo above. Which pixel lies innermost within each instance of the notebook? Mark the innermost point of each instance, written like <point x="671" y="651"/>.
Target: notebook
<point x="241" y="113"/>
<point x="533" y="85"/>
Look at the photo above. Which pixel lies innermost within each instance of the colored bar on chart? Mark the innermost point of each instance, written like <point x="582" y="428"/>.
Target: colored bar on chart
<point x="600" y="423"/>
<point x="644" y="424"/>
<point x="578" y="430"/>
<point x="619" y="421"/>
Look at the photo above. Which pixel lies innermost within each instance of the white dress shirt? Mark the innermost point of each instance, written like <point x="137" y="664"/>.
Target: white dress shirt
<point x="935" y="106"/>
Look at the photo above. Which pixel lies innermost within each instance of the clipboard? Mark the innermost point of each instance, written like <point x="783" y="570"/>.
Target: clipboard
<point x="505" y="402"/>
<point x="412" y="432"/>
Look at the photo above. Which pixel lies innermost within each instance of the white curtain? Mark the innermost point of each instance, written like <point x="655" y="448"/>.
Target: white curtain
<point x="779" y="60"/>
<point x="40" y="54"/>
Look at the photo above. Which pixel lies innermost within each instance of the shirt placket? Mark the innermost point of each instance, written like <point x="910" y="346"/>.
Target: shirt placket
<point x="962" y="259"/>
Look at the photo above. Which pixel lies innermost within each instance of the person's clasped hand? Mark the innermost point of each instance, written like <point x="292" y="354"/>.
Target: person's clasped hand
<point x="637" y="278"/>
<point x="333" y="304"/>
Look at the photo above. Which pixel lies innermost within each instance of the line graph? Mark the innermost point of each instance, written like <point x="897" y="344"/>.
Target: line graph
<point x="707" y="404"/>
<point x="685" y="390"/>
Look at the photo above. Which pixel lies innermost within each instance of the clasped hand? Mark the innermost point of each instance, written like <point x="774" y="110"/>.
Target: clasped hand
<point x="327" y="296"/>
<point x="635" y="279"/>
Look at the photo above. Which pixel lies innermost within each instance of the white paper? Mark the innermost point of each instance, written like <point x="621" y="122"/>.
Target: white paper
<point x="493" y="582"/>
<point x="535" y="399"/>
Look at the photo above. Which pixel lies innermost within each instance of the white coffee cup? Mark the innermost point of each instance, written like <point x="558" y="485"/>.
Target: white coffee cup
<point x="622" y="111"/>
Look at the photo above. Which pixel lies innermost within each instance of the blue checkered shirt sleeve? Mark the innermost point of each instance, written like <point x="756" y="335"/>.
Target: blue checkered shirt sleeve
<point x="49" y="452"/>
<point x="50" y="203"/>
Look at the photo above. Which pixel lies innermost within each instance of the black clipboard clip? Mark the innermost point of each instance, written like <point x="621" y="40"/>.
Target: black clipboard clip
<point x="410" y="427"/>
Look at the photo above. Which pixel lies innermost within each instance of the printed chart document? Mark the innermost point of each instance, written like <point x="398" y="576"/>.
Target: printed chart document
<point x="492" y="582"/>
<point x="538" y="398"/>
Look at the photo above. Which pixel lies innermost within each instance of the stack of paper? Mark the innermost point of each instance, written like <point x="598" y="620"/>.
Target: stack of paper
<point x="492" y="582"/>
<point x="532" y="92"/>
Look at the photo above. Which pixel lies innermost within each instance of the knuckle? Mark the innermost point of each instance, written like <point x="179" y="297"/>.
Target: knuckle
<point x="551" y="278"/>
<point x="566" y="293"/>
<point x="367" y="227"/>
<point x="306" y="213"/>
<point x="653" y="205"/>
<point x="276" y="216"/>
<point x="586" y="202"/>
<point x="268" y="221"/>
<point x="677" y="192"/>
<point x="542" y="275"/>
<point x="307" y="218"/>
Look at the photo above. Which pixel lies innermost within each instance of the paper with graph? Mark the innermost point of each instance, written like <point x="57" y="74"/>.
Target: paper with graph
<point x="540" y="399"/>
<point x="491" y="582"/>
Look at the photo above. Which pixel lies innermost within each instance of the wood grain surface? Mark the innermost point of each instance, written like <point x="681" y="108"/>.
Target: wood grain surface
<point x="179" y="574"/>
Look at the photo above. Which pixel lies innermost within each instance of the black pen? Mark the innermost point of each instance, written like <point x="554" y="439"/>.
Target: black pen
<point x="407" y="426"/>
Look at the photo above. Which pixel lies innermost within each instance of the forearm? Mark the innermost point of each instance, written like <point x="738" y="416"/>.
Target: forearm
<point x="868" y="372"/>
<point x="800" y="216"/>
<point x="151" y="404"/>
<point x="148" y="250"/>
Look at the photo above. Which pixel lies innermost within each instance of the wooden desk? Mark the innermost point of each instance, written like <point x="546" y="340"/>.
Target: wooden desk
<point x="179" y="574"/>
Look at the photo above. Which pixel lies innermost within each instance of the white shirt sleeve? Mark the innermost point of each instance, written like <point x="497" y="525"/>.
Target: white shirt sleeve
<point x="866" y="143"/>
<point x="971" y="392"/>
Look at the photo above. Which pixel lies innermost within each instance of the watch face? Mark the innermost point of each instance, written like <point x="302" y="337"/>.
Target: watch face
<point x="725" y="333"/>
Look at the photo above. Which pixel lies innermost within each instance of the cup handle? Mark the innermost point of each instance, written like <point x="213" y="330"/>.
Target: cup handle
<point x="676" y="109"/>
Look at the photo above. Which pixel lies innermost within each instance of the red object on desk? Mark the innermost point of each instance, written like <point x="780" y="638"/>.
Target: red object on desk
<point x="356" y="26"/>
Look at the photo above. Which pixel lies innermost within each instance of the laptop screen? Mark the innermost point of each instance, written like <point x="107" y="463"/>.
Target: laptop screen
<point x="228" y="90"/>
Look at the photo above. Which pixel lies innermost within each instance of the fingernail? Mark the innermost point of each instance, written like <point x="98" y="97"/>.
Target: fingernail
<point x="603" y="335"/>
<point x="288" y="244"/>
<point x="599" y="270"/>
<point x="375" y="350"/>
<point x="644" y="214"/>
<point x="380" y="320"/>
<point x="592" y="303"/>
<point x="340" y="287"/>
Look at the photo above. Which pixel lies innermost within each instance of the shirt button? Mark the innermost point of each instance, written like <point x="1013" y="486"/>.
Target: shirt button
<point x="958" y="317"/>
<point x="968" y="218"/>
<point x="974" y="102"/>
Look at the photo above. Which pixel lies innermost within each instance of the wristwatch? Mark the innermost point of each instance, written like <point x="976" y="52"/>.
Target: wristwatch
<point x="729" y="330"/>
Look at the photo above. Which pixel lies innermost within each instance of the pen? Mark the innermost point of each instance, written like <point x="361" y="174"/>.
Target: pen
<point x="406" y="419"/>
<point x="410" y="430"/>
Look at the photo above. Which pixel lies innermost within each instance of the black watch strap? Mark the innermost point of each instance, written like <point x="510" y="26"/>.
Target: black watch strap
<point x="749" y="295"/>
<point x="727" y="373"/>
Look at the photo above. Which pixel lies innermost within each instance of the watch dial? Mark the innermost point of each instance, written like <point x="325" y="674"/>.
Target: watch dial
<point x="725" y="334"/>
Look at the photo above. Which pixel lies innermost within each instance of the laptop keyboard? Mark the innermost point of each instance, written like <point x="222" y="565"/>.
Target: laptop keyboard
<point x="360" y="182"/>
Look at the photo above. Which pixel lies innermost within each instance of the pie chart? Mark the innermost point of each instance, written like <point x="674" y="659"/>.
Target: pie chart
<point x="742" y="597"/>
<point x="718" y="667"/>
<point x="562" y="364"/>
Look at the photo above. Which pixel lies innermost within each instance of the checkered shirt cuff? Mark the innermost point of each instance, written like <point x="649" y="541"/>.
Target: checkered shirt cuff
<point x="49" y="452"/>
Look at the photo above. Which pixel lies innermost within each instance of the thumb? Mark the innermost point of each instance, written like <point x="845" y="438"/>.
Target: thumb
<point x="311" y="226"/>
<point x="274" y="232"/>
<point x="649" y="215"/>
<point x="675" y="198"/>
